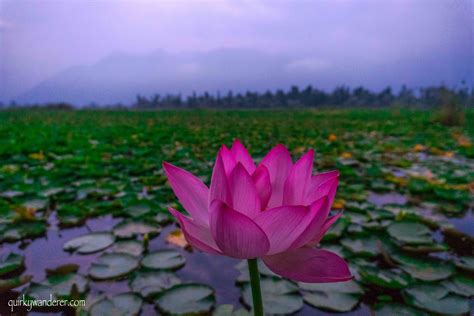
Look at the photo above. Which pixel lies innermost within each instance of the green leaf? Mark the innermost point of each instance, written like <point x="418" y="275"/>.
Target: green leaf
<point x="244" y="271"/>
<point x="410" y="233"/>
<point x="129" y="229"/>
<point x="389" y="279"/>
<point x="279" y="296"/>
<point x="436" y="299"/>
<point x="119" y="305"/>
<point x="62" y="285"/>
<point x="112" y="265"/>
<point x="131" y="247"/>
<point x="465" y="263"/>
<point x="164" y="259"/>
<point x="338" y="297"/>
<point x="366" y="247"/>
<point x="460" y="285"/>
<point x="186" y="299"/>
<point x="10" y="262"/>
<point x="149" y="283"/>
<point x="228" y="310"/>
<point x="393" y="309"/>
<point x="9" y="284"/>
<point x="425" y="269"/>
<point x="90" y="243"/>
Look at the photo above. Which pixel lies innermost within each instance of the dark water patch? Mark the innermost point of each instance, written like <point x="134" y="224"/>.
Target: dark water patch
<point x="465" y="224"/>
<point x="216" y="271"/>
<point x="47" y="253"/>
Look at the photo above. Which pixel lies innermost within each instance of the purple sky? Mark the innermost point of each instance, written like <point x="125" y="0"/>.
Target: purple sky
<point x="39" y="39"/>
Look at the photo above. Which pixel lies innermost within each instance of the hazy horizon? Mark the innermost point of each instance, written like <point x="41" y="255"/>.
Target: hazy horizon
<point x="108" y="51"/>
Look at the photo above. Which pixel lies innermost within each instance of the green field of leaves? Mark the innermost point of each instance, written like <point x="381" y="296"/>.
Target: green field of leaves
<point x="406" y="189"/>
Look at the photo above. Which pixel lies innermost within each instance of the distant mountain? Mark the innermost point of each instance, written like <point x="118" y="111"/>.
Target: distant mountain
<point x="120" y="77"/>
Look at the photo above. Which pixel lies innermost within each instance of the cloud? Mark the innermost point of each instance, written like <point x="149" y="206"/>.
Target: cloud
<point x="189" y="69"/>
<point x="308" y="64"/>
<point x="4" y="24"/>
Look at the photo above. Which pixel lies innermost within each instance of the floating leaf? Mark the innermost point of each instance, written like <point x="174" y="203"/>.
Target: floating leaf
<point x="279" y="296"/>
<point x="118" y="305"/>
<point x="424" y="269"/>
<point x="410" y="233"/>
<point x="465" y="263"/>
<point x="148" y="283"/>
<point x="63" y="269"/>
<point x="9" y="284"/>
<point x="244" y="275"/>
<point x="90" y="243"/>
<point x="389" y="279"/>
<point x="460" y="285"/>
<point x="338" y="297"/>
<point x="112" y="265"/>
<point x="10" y="262"/>
<point x="337" y="229"/>
<point x="186" y="299"/>
<point x="398" y="310"/>
<point x="366" y="247"/>
<point x="129" y="229"/>
<point x="22" y="230"/>
<point x="132" y="247"/>
<point x="164" y="259"/>
<point x="62" y="285"/>
<point x="228" y="310"/>
<point x="436" y="299"/>
<point x="137" y="210"/>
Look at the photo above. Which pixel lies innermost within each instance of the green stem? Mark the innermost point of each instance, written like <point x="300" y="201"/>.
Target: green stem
<point x="255" y="283"/>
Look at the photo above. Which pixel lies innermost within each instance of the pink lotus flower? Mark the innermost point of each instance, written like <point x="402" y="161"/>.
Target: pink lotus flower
<point x="277" y="211"/>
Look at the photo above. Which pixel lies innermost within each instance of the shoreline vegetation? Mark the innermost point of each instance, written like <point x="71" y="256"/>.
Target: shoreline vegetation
<point x="293" y="98"/>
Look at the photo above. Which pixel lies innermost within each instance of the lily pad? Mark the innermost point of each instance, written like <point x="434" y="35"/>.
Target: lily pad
<point x="410" y="233"/>
<point x="460" y="285"/>
<point x="38" y="291"/>
<point x="9" y="284"/>
<point x="129" y="229"/>
<point x="228" y="310"/>
<point x="425" y="269"/>
<point x="186" y="299"/>
<point x="119" y="305"/>
<point x="65" y="285"/>
<point x="429" y="248"/>
<point x="436" y="299"/>
<point x="22" y="230"/>
<point x="337" y="297"/>
<point x="389" y="279"/>
<point x="279" y="296"/>
<point x="10" y="262"/>
<point x="59" y="286"/>
<point x="131" y="247"/>
<point x="63" y="269"/>
<point x="393" y="309"/>
<point x="112" y="265"/>
<point x="244" y="275"/>
<point x="90" y="243"/>
<point x="148" y="283"/>
<point x="164" y="259"/>
<point x="137" y="210"/>
<point x="337" y="229"/>
<point x="366" y="247"/>
<point x="465" y="263"/>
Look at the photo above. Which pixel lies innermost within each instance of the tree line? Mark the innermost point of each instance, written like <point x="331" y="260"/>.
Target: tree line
<point x="312" y="97"/>
<point x="294" y="97"/>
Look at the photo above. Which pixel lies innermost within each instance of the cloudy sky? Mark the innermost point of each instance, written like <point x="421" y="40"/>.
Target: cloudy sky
<point x="42" y="38"/>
